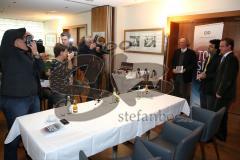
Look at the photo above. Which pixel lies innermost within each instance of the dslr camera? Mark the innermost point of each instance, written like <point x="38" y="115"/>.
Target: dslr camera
<point x="29" y="40"/>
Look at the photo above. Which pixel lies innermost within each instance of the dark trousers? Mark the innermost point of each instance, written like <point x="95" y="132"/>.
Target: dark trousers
<point x="182" y="90"/>
<point x="219" y="103"/>
<point x="12" y="108"/>
<point x="207" y="101"/>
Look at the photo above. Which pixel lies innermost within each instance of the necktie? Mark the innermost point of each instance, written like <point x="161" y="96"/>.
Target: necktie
<point x="222" y="59"/>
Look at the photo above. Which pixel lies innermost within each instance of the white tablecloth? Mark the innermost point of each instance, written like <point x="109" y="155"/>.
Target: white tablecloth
<point x="125" y="83"/>
<point x="120" y="125"/>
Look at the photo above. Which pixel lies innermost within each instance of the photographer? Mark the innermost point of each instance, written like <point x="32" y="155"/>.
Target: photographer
<point x="101" y="48"/>
<point x="61" y="69"/>
<point x="65" y="37"/>
<point x="20" y="65"/>
<point x="87" y="47"/>
<point x="99" y="51"/>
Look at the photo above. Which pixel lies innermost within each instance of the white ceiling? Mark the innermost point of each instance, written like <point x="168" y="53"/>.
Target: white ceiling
<point x="42" y="10"/>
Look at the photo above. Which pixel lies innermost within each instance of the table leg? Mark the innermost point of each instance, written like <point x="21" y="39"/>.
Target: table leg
<point x="148" y="134"/>
<point x="114" y="152"/>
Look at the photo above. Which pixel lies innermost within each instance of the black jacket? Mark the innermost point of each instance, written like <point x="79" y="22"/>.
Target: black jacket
<point x="84" y="49"/>
<point x="189" y="63"/>
<point x="20" y="71"/>
<point x="207" y="84"/>
<point x="72" y="48"/>
<point x="226" y="80"/>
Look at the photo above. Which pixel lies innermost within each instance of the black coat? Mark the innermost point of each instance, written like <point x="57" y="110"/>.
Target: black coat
<point x="84" y="49"/>
<point x="72" y="48"/>
<point x="226" y="80"/>
<point x="20" y="71"/>
<point x="207" y="84"/>
<point x="189" y="63"/>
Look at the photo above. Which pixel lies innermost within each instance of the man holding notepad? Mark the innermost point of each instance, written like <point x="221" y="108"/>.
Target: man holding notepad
<point x="183" y="66"/>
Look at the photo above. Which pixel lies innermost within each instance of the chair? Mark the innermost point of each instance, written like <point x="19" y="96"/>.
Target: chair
<point x="212" y="122"/>
<point x="82" y="156"/>
<point x="175" y="142"/>
<point x="140" y="152"/>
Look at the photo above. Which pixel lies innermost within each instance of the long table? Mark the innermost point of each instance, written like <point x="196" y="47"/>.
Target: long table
<point x="132" y="117"/>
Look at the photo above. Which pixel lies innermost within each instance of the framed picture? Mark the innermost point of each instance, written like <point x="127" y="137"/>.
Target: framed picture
<point x="50" y="39"/>
<point x="144" y="40"/>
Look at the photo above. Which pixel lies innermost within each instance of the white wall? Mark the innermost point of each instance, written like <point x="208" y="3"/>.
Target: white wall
<point x="56" y="26"/>
<point x="51" y="27"/>
<point x="36" y="28"/>
<point x="153" y="14"/>
<point x="83" y="18"/>
<point x="136" y="17"/>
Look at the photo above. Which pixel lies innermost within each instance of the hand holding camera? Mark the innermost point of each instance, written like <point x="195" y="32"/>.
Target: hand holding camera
<point x="70" y="56"/>
<point x="92" y="46"/>
<point x="31" y="44"/>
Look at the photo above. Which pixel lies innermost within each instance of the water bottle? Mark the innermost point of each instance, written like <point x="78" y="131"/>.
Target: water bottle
<point x="116" y="98"/>
<point x="69" y="104"/>
<point x="146" y="89"/>
<point x="139" y="92"/>
<point x="138" y="74"/>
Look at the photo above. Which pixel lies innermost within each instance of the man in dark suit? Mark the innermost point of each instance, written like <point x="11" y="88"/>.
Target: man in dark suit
<point x="183" y="66"/>
<point x="226" y="82"/>
<point x="208" y="76"/>
<point x="88" y="46"/>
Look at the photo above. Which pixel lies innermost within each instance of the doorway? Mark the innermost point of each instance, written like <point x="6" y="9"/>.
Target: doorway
<point x="77" y="32"/>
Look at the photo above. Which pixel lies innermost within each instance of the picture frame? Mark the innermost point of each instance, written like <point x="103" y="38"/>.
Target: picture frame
<point x="50" y="39"/>
<point x="149" y="41"/>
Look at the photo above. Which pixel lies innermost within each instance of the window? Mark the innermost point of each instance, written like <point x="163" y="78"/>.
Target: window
<point x="36" y="28"/>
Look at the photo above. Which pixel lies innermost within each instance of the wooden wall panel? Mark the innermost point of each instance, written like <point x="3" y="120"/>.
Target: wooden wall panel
<point x="187" y="30"/>
<point x="99" y="19"/>
<point x="103" y="21"/>
<point x="172" y="45"/>
<point x="232" y="29"/>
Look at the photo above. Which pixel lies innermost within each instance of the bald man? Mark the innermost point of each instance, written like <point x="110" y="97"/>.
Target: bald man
<point x="183" y="66"/>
